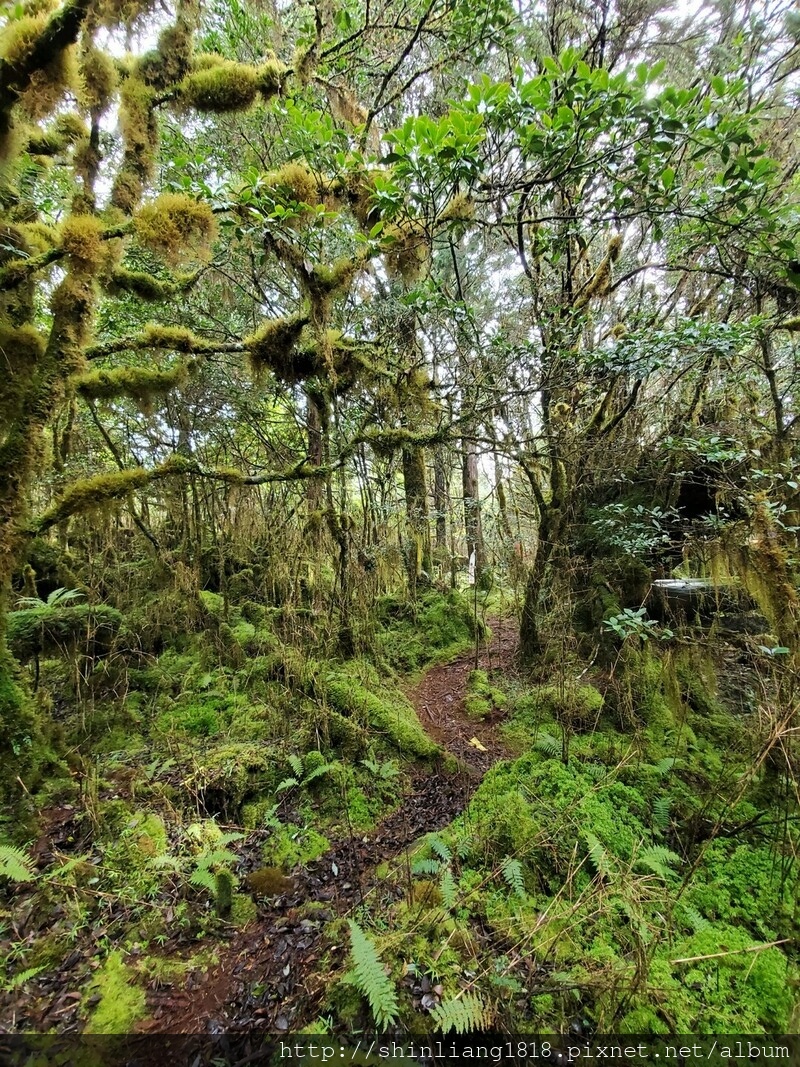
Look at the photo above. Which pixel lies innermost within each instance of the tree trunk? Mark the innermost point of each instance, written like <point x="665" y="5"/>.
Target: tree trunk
<point x="418" y="552"/>
<point x="472" y="507"/>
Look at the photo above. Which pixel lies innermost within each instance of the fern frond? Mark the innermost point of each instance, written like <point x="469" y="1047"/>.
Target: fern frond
<point x="661" y="810"/>
<point x="227" y="839"/>
<point x="296" y="764"/>
<point x="426" y="866"/>
<point x="463" y="1015"/>
<point x="24" y="976"/>
<point x="287" y="783"/>
<point x="203" y="878"/>
<point x="165" y="862"/>
<point x="16" y="864"/>
<point x="370" y="978"/>
<point x="596" y="771"/>
<point x="513" y="874"/>
<point x="664" y="766"/>
<point x="695" y="919"/>
<point x="601" y="861"/>
<point x="440" y="847"/>
<point x="548" y="745"/>
<point x="62" y="595"/>
<point x="325" y="768"/>
<point x="658" y="859"/>
<point x="218" y="857"/>
<point x="447" y="885"/>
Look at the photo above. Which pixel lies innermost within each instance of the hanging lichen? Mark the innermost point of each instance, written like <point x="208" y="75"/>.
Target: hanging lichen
<point x="360" y="192"/>
<point x="111" y="13"/>
<point x="272" y="347"/>
<point x="146" y="286"/>
<point x="460" y="209"/>
<point x="97" y="80"/>
<point x="345" y="107"/>
<point x="46" y="87"/>
<point x="67" y="130"/>
<point x="140" y="135"/>
<point x="81" y="239"/>
<point x="407" y="249"/>
<point x="226" y="87"/>
<point x="174" y="224"/>
<point x="141" y="384"/>
<point x="600" y="282"/>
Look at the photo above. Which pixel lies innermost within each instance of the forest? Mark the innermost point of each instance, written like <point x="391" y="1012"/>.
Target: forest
<point x="399" y="514"/>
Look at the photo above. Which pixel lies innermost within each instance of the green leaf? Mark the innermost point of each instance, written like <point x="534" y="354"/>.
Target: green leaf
<point x="667" y="177"/>
<point x="465" y="1014"/>
<point x="15" y="864"/>
<point x="370" y="977"/>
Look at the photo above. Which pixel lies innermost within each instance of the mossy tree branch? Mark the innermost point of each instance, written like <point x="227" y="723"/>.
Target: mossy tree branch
<point x="60" y="32"/>
<point x="19" y="270"/>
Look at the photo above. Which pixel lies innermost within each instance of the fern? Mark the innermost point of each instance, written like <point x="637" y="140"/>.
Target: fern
<point x="204" y="878"/>
<point x="165" y="862"/>
<point x="370" y="978"/>
<point x="15" y="864"/>
<point x="664" y="766"/>
<point x="463" y="1015"/>
<point x="658" y="859"/>
<point x="218" y="857"/>
<point x="426" y="866"/>
<point x="296" y="764"/>
<point x="601" y="861"/>
<point x="512" y="872"/>
<point x="287" y="783"/>
<point x="440" y="847"/>
<point x="695" y="919"/>
<point x="661" y="810"/>
<point x="325" y="768"/>
<point x="20" y="979"/>
<point x="550" y="746"/>
<point x="596" y="771"/>
<point x="447" y="885"/>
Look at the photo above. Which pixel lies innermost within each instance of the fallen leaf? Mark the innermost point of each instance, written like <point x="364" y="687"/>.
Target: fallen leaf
<point x="476" y="744"/>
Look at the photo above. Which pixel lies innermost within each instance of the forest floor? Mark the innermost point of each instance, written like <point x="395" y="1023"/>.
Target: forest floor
<point x="273" y="975"/>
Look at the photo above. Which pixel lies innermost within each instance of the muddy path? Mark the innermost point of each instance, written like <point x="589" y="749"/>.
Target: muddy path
<point x="271" y="978"/>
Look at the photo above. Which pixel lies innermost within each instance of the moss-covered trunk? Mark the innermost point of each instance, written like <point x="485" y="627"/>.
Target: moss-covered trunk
<point x="472" y="508"/>
<point x="418" y="552"/>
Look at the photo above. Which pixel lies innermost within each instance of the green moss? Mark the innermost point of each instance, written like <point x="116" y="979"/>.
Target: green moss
<point x="482" y="697"/>
<point x="21" y="744"/>
<point x="93" y="494"/>
<point x="243" y="910"/>
<point x="141" y="384"/>
<point x="226" y="775"/>
<point x="269" y="882"/>
<point x="435" y="628"/>
<point x="293" y="845"/>
<point x="224" y="87"/>
<point x="386" y="712"/>
<point x="174" y="224"/>
<point x="121" y="1004"/>
<point x="272" y="347"/>
<point x="56" y="630"/>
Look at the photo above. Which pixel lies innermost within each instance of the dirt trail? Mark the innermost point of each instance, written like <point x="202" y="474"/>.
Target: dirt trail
<point x="268" y="978"/>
